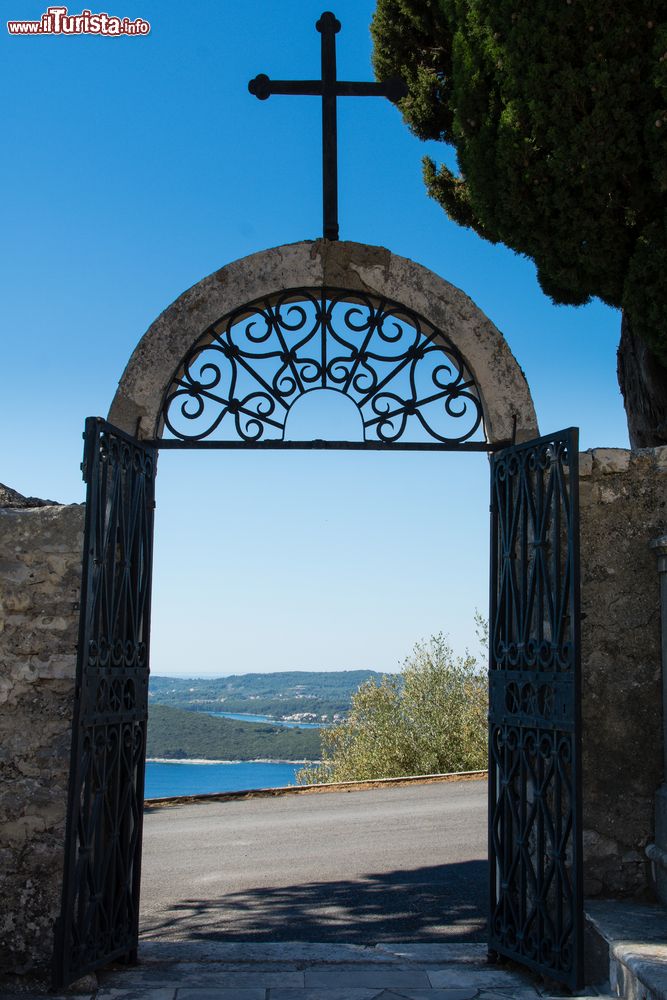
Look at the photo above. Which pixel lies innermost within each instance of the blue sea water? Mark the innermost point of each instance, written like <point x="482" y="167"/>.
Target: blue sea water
<point x="242" y="717"/>
<point x="164" y="779"/>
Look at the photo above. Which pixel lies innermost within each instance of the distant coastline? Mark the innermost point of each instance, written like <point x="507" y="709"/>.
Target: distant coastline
<point x="285" y="697"/>
<point x="181" y="734"/>
<point x="201" y="760"/>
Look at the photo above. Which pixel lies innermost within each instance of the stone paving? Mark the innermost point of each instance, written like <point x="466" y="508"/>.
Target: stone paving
<point x="303" y="971"/>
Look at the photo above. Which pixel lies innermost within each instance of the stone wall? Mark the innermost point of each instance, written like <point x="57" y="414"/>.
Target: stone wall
<point x="40" y="570"/>
<point x="623" y="508"/>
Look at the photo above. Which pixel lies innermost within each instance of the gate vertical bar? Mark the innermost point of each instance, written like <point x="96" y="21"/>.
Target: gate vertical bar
<point x="99" y="919"/>
<point x="535" y="794"/>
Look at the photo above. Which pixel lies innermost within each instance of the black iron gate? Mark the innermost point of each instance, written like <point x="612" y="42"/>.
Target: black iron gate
<point x="535" y="854"/>
<point x="100" y="905"/>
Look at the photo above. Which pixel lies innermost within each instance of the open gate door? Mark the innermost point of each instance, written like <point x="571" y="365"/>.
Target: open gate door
<point x="99" y="920"/>
<point x="535" y="852"/>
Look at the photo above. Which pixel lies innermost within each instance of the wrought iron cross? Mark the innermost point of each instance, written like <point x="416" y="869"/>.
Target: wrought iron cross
<point x="329" y="89"/>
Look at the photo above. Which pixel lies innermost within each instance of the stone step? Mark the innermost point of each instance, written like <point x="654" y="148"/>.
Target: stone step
<point x="302" y="976"/>
<point x="631" y="939"/>
<point x="211" y="970"/>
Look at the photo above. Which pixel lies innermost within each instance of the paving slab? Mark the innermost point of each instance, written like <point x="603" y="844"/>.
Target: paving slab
<point x="375" y="977"/>
<point x="163" y="993"/>
<point x="516" y="993"/>
<point x="490" y="977"/>
<point x="412" y="995"/>
<point x="208" y="950"/>
<point x="348" y="993"/>
<point x="194" y="975"/>
<point x="43" y="993"/>
<point x="445" y="953"/>
<point x="222" y="994"/>
<point x="429" y="994"/>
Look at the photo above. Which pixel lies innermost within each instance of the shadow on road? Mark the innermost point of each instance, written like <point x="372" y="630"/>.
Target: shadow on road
<point x="437" y="903"/>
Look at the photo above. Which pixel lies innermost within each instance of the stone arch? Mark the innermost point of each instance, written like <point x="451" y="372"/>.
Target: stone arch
<point x="506" y="403"/>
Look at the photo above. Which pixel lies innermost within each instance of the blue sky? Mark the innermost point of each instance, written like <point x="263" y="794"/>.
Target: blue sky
<point x="134" y="167"/>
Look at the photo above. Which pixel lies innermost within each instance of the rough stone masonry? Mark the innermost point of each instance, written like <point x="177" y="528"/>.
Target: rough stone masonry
<point x="623" y="497"/>
<point x="623" y="507"/>
<point x="40" y="576"/>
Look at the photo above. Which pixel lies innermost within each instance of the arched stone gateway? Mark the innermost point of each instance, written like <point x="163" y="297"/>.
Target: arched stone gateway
<point x="419" y="366"/>
<point x="378" y="276"/>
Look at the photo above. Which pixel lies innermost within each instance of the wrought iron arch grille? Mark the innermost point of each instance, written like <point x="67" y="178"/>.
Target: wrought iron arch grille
<point x="240" y="380"/>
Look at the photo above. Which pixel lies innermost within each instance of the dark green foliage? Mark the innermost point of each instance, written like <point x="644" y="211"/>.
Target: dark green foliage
<point x="174" y="733"/>
<point x="558" y="113"/>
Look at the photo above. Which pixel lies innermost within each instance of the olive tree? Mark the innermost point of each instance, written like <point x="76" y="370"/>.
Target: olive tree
<point x="430" y="719"/>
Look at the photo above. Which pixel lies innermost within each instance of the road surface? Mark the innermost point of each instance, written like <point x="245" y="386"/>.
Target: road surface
<point x="391" y="864"/>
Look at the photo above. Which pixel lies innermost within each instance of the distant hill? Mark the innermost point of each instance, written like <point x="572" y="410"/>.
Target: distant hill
<point x="176" y="733"/>
<point x="279" y="694"/>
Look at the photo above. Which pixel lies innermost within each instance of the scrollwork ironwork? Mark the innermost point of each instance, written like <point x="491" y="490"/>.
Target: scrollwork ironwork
<point x="240" y="380"/>
<point x="100" y="905"/>
<point x="535" y="849"/>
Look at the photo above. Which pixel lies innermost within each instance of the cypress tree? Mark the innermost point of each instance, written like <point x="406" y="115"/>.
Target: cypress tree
<point x="557" y="110"/>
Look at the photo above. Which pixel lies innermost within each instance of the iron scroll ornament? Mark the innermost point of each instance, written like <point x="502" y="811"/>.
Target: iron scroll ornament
<point x="535" y="793"/>
<point x="241" y="378"/>
<point x="99" y="919"/>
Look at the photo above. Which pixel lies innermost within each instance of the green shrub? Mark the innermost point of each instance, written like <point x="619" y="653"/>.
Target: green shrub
<point x="430" y="719"/>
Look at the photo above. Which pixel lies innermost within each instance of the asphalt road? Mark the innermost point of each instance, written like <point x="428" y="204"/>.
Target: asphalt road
<point x="392" y="864"/>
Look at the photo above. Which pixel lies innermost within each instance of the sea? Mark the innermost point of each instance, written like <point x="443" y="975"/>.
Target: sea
<point x="165" y="778"/>
<point x="286" y="724"/>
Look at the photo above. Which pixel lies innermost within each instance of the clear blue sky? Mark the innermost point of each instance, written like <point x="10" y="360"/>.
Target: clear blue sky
<point x="134" y="167"/>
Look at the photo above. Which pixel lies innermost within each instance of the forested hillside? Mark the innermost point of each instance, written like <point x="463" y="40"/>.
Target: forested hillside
<point x="175" y="733"/>
<point x="278" y="694"/>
